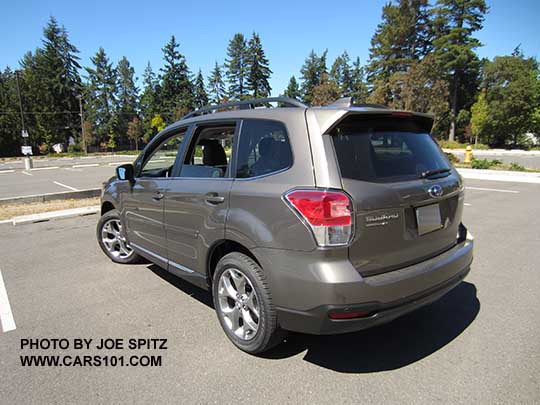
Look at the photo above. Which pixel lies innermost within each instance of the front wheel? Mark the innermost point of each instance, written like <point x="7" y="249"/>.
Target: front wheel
<point x="112" y="240"/>
<point x="243" y="303"/>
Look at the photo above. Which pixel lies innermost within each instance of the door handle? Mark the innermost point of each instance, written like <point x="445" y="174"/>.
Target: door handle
<point x="214" y="198"/>
<point x="158" y="195"/>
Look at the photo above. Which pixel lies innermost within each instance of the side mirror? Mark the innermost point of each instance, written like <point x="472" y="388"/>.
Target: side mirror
<point x="125" y="172"/>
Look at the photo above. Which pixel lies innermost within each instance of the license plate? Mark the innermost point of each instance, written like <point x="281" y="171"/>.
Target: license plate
<point x="428" y="218"/>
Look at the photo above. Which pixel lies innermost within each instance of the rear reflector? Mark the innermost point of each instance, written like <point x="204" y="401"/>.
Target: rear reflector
<point x="328" y="214"/>
<point x="348" y="315"/>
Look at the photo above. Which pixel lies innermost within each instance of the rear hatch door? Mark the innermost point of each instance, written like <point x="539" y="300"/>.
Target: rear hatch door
<point x="407" y="197"/>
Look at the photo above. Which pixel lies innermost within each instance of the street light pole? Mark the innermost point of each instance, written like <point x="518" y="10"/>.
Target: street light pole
<point x="83" y="139"/>
<point x="28" y="158"/>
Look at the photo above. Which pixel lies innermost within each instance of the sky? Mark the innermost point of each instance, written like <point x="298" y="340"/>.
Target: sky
<point x="288" y="29"/>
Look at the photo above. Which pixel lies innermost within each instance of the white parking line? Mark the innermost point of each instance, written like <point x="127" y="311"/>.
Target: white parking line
<point x="86" y="165"/>
<point x="498" y="190"/>
<point x="63" y="185"/>
<point x="6" y="316"/>
<point x="121" y="163"/>
<point x="28" y="174"/>
<point x="45" y="168"/>
<point x="7" y="171"/>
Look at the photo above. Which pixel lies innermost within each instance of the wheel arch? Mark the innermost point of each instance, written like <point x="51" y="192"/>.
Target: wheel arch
<point x="106" y="206"/>
<point x="220" y="249"/>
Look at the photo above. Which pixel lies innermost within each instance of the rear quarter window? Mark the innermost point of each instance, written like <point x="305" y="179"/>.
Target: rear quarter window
<point x="263" y="149"/>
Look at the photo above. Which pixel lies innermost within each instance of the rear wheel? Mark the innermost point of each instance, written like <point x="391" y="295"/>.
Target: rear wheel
<point x="112" y="240"/>
<point x="243" y="304"/>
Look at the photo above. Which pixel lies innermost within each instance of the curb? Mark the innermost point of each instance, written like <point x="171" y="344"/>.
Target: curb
<point x="497" y="152"/>
<point x="63" y="195"/>
<point x="46" y="216"/>
<point x="500" y="175"/>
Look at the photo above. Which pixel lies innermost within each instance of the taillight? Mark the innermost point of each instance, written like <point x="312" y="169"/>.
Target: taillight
<point x="328" y="214"/>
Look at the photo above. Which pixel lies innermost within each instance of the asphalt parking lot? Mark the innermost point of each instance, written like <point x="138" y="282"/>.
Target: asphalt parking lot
<point x="479" y="343"/>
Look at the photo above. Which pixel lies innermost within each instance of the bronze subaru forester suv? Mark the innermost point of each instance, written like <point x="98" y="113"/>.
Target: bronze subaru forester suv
<point x="314" y="219"/>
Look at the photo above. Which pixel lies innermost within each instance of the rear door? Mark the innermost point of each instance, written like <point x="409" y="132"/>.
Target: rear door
<point x="197" y="201"/>
<point x="406" y="195"/>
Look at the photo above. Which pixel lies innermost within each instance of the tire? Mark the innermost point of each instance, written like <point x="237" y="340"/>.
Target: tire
<point x="112" y="241"/>
<point x="237" y="308"/>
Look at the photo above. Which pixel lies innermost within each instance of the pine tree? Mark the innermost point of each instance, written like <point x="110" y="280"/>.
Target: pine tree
<point x="257" y="68"/>
<point x="216" y="85"/>
<point x="292" y="90"/>
<point x="176" y="86"/>
<point x="10" y="124"/>
<point x="454" y="44"/>
<point x="340" y="73"/>
<point x="50" y="85"/>
<point x="237" y="67"/>
<point x="101" y="96"/>
<point x="312" y="71"/>
<point x="150" y="101"/>
<point x="326" y="92"/>
<point x="359" y="89"/>
<point x="403" y="37"/>
<point x="200" y="95"/>
<point x="127" y="95"/>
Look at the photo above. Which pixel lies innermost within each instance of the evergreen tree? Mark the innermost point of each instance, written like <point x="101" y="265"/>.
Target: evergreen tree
<point x="257" y="68"/>
<point x="216" y="85"/>
<point x="50" y="85"/>
<point x="359" y="88"/>
<point x="101" y="96"/>
<point x="403" y="37"/>
<point x="293" y="90"/>
<point x="127" y="95"/>
<point x="150" y="101"/>
<point x="236" y="65"/>
<point x="326" y="92"/>
<point x="341" y="74"/>
<point x="10" y="123"/>
<point x="176" y="86"/>
<point x="312" y="71"/>
<point x="454" y="44"/>
<point x="200" y="95"/>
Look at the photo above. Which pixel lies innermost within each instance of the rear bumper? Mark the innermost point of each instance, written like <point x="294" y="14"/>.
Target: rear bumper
<point x="304" y="297"/>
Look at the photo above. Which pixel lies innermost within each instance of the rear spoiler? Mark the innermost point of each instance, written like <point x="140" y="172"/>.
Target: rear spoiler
<point x="424" y="121"/>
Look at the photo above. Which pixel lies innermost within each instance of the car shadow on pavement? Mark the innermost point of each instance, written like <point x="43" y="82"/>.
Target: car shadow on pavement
<point x="389" y="346"/>
<point x="193" y="291"/>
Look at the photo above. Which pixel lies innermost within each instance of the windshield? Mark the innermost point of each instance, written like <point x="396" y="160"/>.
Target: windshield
<point x="384" y="149"/>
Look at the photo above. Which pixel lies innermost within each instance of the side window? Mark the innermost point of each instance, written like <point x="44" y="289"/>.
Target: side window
<point x="161" y="161"/>
<point x="264" y="148"/>
<point x="209" y="154"/>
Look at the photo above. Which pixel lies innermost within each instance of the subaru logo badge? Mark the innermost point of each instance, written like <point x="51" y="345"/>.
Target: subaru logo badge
<point x="435" y="191"/>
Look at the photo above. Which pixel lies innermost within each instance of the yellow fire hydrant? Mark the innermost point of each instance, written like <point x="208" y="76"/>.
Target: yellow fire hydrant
<point x="468" y="155"/>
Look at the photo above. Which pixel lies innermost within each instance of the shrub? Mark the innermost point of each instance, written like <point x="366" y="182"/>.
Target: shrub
<point x="452" y="158"/>
<point x="517" y="167"/>
<point x="484" y="163"/>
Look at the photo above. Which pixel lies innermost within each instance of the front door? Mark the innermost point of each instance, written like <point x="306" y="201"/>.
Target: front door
<point x="143" y="204"/>
<point x="197" y="201"/>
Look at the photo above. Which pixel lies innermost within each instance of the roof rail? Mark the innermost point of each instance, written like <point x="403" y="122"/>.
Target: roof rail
<point x="246" y="104"/>
<point x="346" y="102"/>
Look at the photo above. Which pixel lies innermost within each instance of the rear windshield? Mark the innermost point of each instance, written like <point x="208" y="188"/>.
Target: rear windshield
<point x="384" y="149"/>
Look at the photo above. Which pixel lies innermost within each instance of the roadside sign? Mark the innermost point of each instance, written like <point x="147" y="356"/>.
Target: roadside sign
<point x="26" y="150"/>
<point x="24" y="133"/>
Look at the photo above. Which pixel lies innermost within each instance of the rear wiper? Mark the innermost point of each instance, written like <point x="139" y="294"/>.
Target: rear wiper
<point x="429" y="173"/>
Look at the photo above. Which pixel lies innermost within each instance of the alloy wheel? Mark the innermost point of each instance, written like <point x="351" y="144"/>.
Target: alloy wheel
<point x="113" y="239"/>
<point x="238" y="304"/>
